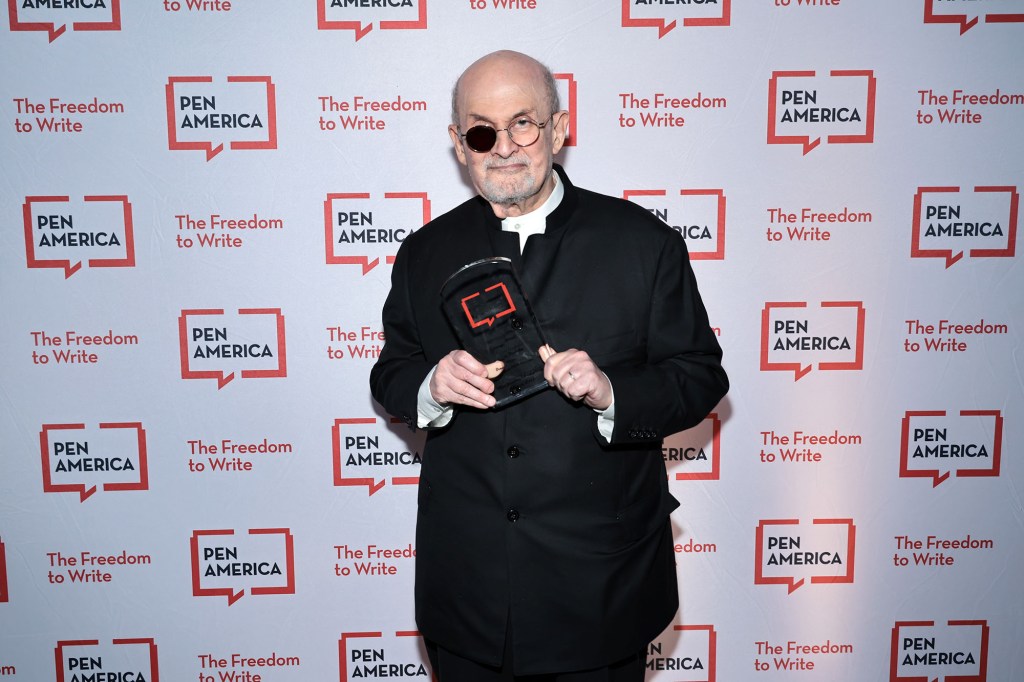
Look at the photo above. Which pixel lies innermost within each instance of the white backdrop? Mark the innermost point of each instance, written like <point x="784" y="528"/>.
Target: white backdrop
<point x="195" y="483"/>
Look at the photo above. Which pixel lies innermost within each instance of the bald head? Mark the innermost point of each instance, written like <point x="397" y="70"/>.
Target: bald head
<point x="500" y="67"/>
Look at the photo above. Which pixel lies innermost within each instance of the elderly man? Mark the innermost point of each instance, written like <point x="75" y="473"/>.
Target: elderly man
<point x="544" y="545"/>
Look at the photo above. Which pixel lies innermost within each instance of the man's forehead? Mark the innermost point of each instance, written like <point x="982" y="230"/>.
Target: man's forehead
<point x="500" y="99"/>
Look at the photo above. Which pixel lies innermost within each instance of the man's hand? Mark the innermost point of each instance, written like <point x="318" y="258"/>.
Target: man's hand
<point x="460" y="379"/>
<point x="576" y="377"/>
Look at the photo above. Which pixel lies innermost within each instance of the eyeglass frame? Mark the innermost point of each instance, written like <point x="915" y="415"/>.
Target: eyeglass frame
<point x="540" y="127"/>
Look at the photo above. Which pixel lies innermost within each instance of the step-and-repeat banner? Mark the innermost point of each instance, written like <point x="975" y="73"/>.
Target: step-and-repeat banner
<point x="201" y="203"/>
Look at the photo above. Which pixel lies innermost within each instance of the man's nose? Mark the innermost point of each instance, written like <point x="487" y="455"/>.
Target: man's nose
<point x="504" y="146"/>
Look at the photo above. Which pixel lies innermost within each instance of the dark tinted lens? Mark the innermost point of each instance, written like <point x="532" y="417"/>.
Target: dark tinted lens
<point x="481" y="138"/>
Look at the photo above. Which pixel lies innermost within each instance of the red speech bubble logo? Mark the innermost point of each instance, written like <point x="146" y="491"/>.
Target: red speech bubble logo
<point x="62" y="225"/>
<point x="834" y="344"/>
<point x="967" y="21"/>
<point x="71" y="460"/>
<point x="343" y="654"/>
<point x="362" y="27"/>
<point x="207" y="103"/>
<point x="915" y="648"/>
<point x="868" y="134"/>
<point x="74" y="662"/>
<point x="244" y="564"/>
<point x="694" y="234"/>
<point x="372" y="657"/>
<point x="484" y="307"/>
<point x="914" y="429"/>
<point x="347" y="438"/>
<point x="664" y="25"/>
<point x="925" y="210"/>
<point x="355" y="225"/>
<point x="719" y="195"/>
<point x="686" y="452"/>
<point x="767" y="540"/>
<point x="690" y="652"/>
<point x="185" y="339"/>
<point x="34" y="23"/>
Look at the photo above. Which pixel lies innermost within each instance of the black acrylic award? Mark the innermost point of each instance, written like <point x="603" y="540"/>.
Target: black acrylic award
<point x="486" y="306"/>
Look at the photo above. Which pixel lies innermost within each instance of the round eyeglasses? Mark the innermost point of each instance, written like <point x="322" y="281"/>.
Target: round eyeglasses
<point x="522" y="131"/>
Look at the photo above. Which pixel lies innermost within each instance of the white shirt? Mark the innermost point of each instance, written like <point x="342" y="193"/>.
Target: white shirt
<point x="535" y="221"/>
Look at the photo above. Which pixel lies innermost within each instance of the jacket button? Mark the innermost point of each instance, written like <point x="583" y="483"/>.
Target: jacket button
<point x="512" y="515"/>
<point x="516" y="323"/>
<point x="513" y="451"/>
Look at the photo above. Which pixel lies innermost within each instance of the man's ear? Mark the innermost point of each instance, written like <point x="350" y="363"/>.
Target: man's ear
<point x="460" y="150"/>
<point x="560" y="127"/>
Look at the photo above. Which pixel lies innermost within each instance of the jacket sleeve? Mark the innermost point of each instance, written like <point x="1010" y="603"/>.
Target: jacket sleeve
<point x="402" y="366"/>
<point x="682" y="378"/>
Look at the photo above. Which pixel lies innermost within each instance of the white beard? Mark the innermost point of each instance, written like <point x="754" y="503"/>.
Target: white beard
<point x="512" y="190"/>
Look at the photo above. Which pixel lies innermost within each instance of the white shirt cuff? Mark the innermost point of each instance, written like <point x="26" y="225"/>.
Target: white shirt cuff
<point x="429" y="412"/>
<point x="606" y="418"/>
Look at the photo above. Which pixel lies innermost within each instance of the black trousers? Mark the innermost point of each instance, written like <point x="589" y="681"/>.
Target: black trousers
<point x="450" y="667"/>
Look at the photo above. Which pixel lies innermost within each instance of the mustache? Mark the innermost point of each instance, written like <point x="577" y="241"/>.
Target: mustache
<point x="502" y="163"/>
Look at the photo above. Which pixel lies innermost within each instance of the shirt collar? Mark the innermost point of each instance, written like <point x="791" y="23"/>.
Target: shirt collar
<point x="535" y="221"/>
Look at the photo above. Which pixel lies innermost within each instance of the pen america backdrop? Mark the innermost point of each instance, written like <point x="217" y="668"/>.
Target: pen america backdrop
<point x="200" y="207"/>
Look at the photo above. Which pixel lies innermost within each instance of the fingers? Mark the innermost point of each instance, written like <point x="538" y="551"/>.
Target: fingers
<point x="460" y="379"/>
<point x="564" y="369"/>
<point x="545" y="352"/>
<point x="574" y="374"/>
<point x="494" y="369"/>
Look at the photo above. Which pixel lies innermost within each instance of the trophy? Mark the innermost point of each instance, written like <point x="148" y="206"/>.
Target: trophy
<point x="486" y="306"/>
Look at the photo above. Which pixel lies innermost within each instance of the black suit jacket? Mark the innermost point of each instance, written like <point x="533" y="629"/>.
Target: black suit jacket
<point x="527" y="516"/>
